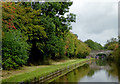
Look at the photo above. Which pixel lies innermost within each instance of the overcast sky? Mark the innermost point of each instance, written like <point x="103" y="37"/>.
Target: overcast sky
<point x="95" y="19"/>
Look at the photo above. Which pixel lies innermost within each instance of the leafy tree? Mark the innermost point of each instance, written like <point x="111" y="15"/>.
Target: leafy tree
<point x="56" y="26"/>
<point x="93" y="45"/>
<point x="14" y="50"/>
<point x="116" y="51"/>
<point x="70" y="44"/>
<point x="111" y="44"/>
<point x="56" y="11"/>
<point x="34" y="23"/>
<point x="82" y="50"/>
<point x="115" y="57"/>
<point x="45" y="27"/>
<point x="28" y="22"/>
<point x="8" y="10"/>
<point x="14" y="45"/>
<point x="75" y="47"/>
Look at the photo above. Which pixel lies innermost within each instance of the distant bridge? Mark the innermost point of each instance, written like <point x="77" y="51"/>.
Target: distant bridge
<point x="95" y="52"/>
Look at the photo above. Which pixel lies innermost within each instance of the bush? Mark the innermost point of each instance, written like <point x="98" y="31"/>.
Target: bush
<point x="14" y="50"/>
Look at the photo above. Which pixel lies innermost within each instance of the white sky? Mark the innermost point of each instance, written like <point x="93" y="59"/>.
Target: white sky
<point x="95" y="19"/>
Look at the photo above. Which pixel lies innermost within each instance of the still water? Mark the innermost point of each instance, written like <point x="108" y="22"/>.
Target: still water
<point x="95" y="71"/>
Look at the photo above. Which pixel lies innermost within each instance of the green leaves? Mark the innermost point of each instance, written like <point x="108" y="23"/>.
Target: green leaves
<point x="93" y="45"/>
<point x="75" y="47"/>
<point x="46" y="28"/>
<point x="56" y="25"/>
<point x="14" y="49"/>
<point x="111" y="44"/>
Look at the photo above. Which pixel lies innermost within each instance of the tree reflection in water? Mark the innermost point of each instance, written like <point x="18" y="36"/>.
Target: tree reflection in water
<point x="115" y="70"/>
<point x="98" y="71"/>
<point x="75" y="75"/>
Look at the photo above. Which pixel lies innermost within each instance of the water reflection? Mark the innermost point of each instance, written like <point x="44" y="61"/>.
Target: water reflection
<point x="99" y="73"/>
<point x="115" y="70"/>
<point x="99" y="76"/>
<point x="74" y="75"/>
<point x="95" y="71"/>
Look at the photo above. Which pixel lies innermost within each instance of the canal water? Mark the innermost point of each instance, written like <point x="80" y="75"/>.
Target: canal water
<point x="94" y="71"/>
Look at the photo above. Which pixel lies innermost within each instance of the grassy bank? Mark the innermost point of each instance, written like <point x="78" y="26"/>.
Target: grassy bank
<point x="41" y="71"/>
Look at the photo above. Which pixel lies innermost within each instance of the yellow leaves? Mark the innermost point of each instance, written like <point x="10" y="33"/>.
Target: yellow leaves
<point x="38" y="30"/>
<point x="75" y="46"/>
<point x="2" y="33"/>
<point x="37" y="20"/>
<point x="57" y="54"/>
<point x="28" y="8"/>
<point x="113" y="46"/>
<point x="36" y="12"/>
<point x="116" y="46"/>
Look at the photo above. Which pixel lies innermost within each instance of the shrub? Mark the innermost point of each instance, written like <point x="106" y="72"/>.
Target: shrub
<point x="14" y="50"/>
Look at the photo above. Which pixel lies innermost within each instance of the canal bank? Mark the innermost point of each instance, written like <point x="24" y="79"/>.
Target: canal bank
<point x="96" y="71"/>
<point x="68" y="69"/>
<point x="43" y="72"/>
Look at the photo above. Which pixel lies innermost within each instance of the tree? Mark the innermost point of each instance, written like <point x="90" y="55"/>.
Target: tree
<point x="8" y="10"/>
<point x="70" y="44"/>
<point x="14" y="50"/>
<point x="22" y="17"/>
<point x="111" y="44"/>
<point x="28" y="22"/>
<point x="56" y="26"/>
<point x="76" y="48"/>
<point x="93" y="45"/>
<point x="45" y="28"/>
<point x="82" y="50"/>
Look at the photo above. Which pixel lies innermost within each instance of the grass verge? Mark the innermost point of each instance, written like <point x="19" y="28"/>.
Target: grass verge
<point x="28" y="76"/>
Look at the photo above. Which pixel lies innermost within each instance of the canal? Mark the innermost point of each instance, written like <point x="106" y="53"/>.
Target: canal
<point x="94" y="71"/>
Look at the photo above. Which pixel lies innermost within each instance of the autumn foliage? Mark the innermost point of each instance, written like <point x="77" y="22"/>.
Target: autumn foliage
<point x="8" y="10"/>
